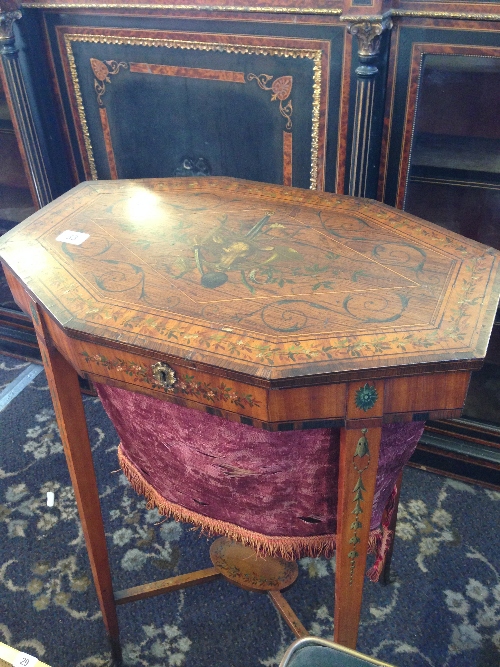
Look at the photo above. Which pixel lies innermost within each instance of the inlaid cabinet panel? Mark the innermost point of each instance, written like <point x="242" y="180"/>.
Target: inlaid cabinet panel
<point x="197" y="98"/>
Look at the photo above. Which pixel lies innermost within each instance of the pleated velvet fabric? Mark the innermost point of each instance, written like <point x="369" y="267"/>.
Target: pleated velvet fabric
<point x="276" y="491"/>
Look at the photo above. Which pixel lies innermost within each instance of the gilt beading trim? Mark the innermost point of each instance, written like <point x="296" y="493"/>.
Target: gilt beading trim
<point x="206" y="8"/>
<point x="312" y="54"/>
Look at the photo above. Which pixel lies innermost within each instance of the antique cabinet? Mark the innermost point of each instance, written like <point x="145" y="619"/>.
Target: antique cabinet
<point x="395" y="101"/>
<point x="441" y="161"/>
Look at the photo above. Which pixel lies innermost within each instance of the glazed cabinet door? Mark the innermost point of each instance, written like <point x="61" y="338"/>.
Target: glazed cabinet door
<point x="16" y="204"/>
<point x="442" y="163"/>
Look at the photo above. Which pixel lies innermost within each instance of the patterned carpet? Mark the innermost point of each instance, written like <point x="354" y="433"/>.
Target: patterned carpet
<point x="442" y="611"/>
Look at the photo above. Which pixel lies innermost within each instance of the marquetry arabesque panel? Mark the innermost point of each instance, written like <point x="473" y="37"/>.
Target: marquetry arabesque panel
<point x="156" y="103"/>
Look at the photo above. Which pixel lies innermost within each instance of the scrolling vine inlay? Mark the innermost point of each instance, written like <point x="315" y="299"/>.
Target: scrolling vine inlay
<point x="186" y="385"/>
<point x="281" y="89"/>
<point x="286" y="275"/>
<point x="102" y="72"/>
<point x="264" y="278"/>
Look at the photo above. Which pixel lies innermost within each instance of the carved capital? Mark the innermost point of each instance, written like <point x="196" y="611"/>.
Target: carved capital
<point x="368" y="34"/>
<point x="7" y="19"/>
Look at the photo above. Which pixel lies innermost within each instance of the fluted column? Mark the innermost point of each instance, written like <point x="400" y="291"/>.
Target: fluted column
<point x="366" y="134"/>
<point x="19" y="105"/>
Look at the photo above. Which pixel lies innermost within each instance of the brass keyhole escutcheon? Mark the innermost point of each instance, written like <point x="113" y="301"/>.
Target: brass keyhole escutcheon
<point x="164" y="375"/>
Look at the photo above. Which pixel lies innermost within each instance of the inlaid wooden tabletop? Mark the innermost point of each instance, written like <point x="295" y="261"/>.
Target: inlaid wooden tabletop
<point x="276" y="283"/>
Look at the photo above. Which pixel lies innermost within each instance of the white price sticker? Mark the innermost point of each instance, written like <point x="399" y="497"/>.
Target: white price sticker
<point x="76" y="238"/>
<point x="25" y="660"/>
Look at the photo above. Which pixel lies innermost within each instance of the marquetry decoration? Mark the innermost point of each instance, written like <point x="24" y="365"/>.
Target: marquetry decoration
<point x="279" y="86"/>
<point x="281" y="89"/>
<point x="366" y="397"/>
<point x="162" y="376"/>
<point x="365" y="400"/>
<point x="315" y="306"/>
<point x="102" y="72"/>
<point x="266" y="280"/>
<point x="238" y="563"/>
<point x="360" y="462"/>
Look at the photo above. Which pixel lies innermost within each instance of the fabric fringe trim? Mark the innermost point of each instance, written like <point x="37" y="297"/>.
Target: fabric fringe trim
<point x="289" y="548"/>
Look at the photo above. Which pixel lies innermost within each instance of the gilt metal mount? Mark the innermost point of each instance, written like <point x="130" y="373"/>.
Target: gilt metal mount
<point x="368" y="34"/>
<point x="7" y="23"/>
<point x="164" y="375"/>
<point x="9" y="12"/>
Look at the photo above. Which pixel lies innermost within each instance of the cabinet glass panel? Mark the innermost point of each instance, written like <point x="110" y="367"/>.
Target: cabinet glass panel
<point x="15" y="198"/>
<point x="454" y="174"/>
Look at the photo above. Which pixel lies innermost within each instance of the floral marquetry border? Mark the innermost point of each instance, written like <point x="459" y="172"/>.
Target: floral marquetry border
<point x="363" y="454"/>
<point x="186" y="384"/>
<point x="455" y="331"/>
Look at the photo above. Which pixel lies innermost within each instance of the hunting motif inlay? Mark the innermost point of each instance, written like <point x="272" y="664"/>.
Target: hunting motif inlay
<point x="287" y="273"/>
<point x="363" y="454"/>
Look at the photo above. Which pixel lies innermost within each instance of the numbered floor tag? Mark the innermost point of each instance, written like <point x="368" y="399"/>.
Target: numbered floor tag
<point x="25" y="660"/>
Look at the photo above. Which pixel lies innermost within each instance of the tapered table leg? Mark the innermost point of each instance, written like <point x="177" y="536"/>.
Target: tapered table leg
<point x="385" y="577"/>
<point x="359" y="450"/>
<point x="68" y="406"/>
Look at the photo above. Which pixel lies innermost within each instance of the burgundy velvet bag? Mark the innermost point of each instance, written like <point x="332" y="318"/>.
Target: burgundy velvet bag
<point x="276" y="491"/>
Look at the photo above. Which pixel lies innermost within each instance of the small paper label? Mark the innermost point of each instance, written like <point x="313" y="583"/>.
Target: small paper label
<point x="25" y="660"/>
<point x="76" y="238"/>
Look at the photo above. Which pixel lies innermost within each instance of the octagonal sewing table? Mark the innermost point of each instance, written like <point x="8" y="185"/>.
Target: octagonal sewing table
<point x="277" y="308"/>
